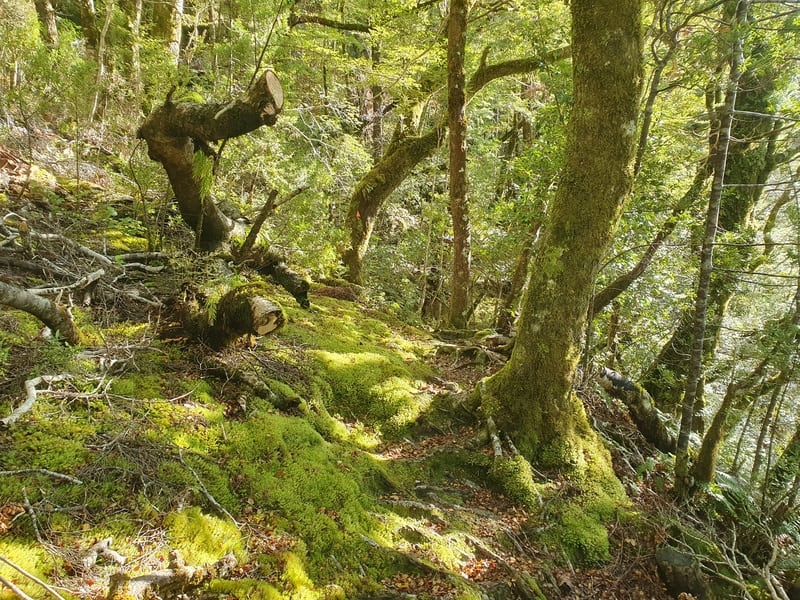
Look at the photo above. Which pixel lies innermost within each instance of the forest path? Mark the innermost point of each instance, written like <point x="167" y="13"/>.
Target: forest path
<point x="459" y="502"/>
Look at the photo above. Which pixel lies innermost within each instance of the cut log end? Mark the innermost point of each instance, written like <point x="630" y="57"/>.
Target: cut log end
<point x="273" y="86"/>
<point x="267" y="316"/>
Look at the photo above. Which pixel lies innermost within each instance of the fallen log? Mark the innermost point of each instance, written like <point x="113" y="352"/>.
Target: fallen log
<point x="172" y="582"/>
<point x="644" y="414"/>
<point x="243" y="311"/>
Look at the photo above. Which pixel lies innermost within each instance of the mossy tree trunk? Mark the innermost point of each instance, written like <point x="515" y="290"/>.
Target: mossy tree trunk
<point x="459" y="203"/>
<point x="531" y="397"/>
<point x="403" y="155"/>
<point x="179" y="134"/>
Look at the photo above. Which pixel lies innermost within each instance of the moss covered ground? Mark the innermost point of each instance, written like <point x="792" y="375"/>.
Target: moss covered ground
<point x="350" y="470"/>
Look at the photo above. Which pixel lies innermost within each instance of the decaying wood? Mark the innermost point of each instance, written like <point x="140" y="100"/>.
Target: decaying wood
<point x="30" y="397"/>
<point x="176" y="131"/>
<point x="48" y="312"/>
<point x="243" y="311"/>
<point x="641" y="407"/>
<point x="102" y="548"/>
<point x="171" y="582"/>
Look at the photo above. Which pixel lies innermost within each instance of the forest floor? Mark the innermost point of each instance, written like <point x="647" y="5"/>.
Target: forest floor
<point x="355" y="466"/>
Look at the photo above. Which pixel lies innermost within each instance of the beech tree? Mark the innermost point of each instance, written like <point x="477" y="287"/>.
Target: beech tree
<point x="531" y="398"/>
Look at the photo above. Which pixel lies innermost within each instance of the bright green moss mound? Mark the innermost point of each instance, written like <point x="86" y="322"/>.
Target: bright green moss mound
<point x="203" y="538"/>
<point x="374" y="374"/>
<point x="321" y="492"/>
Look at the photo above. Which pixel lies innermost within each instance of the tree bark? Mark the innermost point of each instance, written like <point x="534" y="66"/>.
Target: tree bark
<point x="47" y="22"/>
<point x="532" y="397"/>
<point x="698" y="326"/>
<point x="179" y="133"/>
<point x="401" y="157"/>
<point x="48" y="312"/>
<point x="459" y="204"/>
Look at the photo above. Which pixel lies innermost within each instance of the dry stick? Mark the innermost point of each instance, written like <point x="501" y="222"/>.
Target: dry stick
<point x="33" y="578"/>
<point x="205" y="492"/>
<point x="14" y="589"/>
<point x="101" y="258"/>
<point x="30" y="389"/>
<point x="82" y="282"/>
<point x="32" y="514"/>
<point x="48" y="472"/>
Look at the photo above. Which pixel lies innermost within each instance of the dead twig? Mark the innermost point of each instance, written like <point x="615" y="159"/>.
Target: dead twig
<point x="205" y="492"/>
<point x="30" y="399"/>
<point x="47" y="472"/>
<point x="33" y="578"/>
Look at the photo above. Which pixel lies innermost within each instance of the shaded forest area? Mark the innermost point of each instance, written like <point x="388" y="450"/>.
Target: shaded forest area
<point x="485" y="300"/>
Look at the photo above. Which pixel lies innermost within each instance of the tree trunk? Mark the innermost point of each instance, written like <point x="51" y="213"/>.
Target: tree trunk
<point x="49" y="313"/>
<point x="168" y="25"/>
<point x="747" y="169"/>
<point x="401" y="157"/>
<point x="532" y="397"/>
<point x="698" y="326"/>
<point x="47" y="22"/>
<point x="506" y="311"/>
<point x="459" y="204"/>
<point x="178" y="135"/>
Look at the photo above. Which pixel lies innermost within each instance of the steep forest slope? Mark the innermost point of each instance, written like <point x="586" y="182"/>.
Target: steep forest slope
<point x="340" y="456"/>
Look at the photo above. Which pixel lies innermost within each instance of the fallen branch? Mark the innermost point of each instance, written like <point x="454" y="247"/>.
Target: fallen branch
<point x="102" y="548"/>
<point x="80" y="283"/>
<point x="172" y="582"/>
<point x="30" y="389"/>
<point x="33" y="578"/>
<point x="641" y="407"/>
<point x="50" y="237"/>
<point x="47" y="472"/>
<point x="56" y="318"/>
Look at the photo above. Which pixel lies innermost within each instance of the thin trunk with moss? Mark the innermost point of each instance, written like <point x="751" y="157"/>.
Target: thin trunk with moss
<point x="459" y="203"/>
<point x="403" y="155"/>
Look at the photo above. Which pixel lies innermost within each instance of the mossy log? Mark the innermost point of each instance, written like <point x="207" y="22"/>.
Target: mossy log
<point x="172" y="582"/>
<point x="243" y="311"/>
<point x="641" y="407"/>
<point x="271" y="264"/>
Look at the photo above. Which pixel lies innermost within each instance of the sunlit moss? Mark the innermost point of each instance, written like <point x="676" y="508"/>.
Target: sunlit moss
<point x="203" y="538"/>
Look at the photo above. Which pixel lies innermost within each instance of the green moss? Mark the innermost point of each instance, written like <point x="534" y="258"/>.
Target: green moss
<point x="580" y="535"/>
<point x="139" y="386"/>
<point x="202" y="538"/>
<point x="251" y="589"/>
<point x="515" y="478"/>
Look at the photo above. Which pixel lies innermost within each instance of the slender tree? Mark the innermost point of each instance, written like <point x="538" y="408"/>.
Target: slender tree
<point x="459" y="204"/>
<point x="695" y="365"/>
